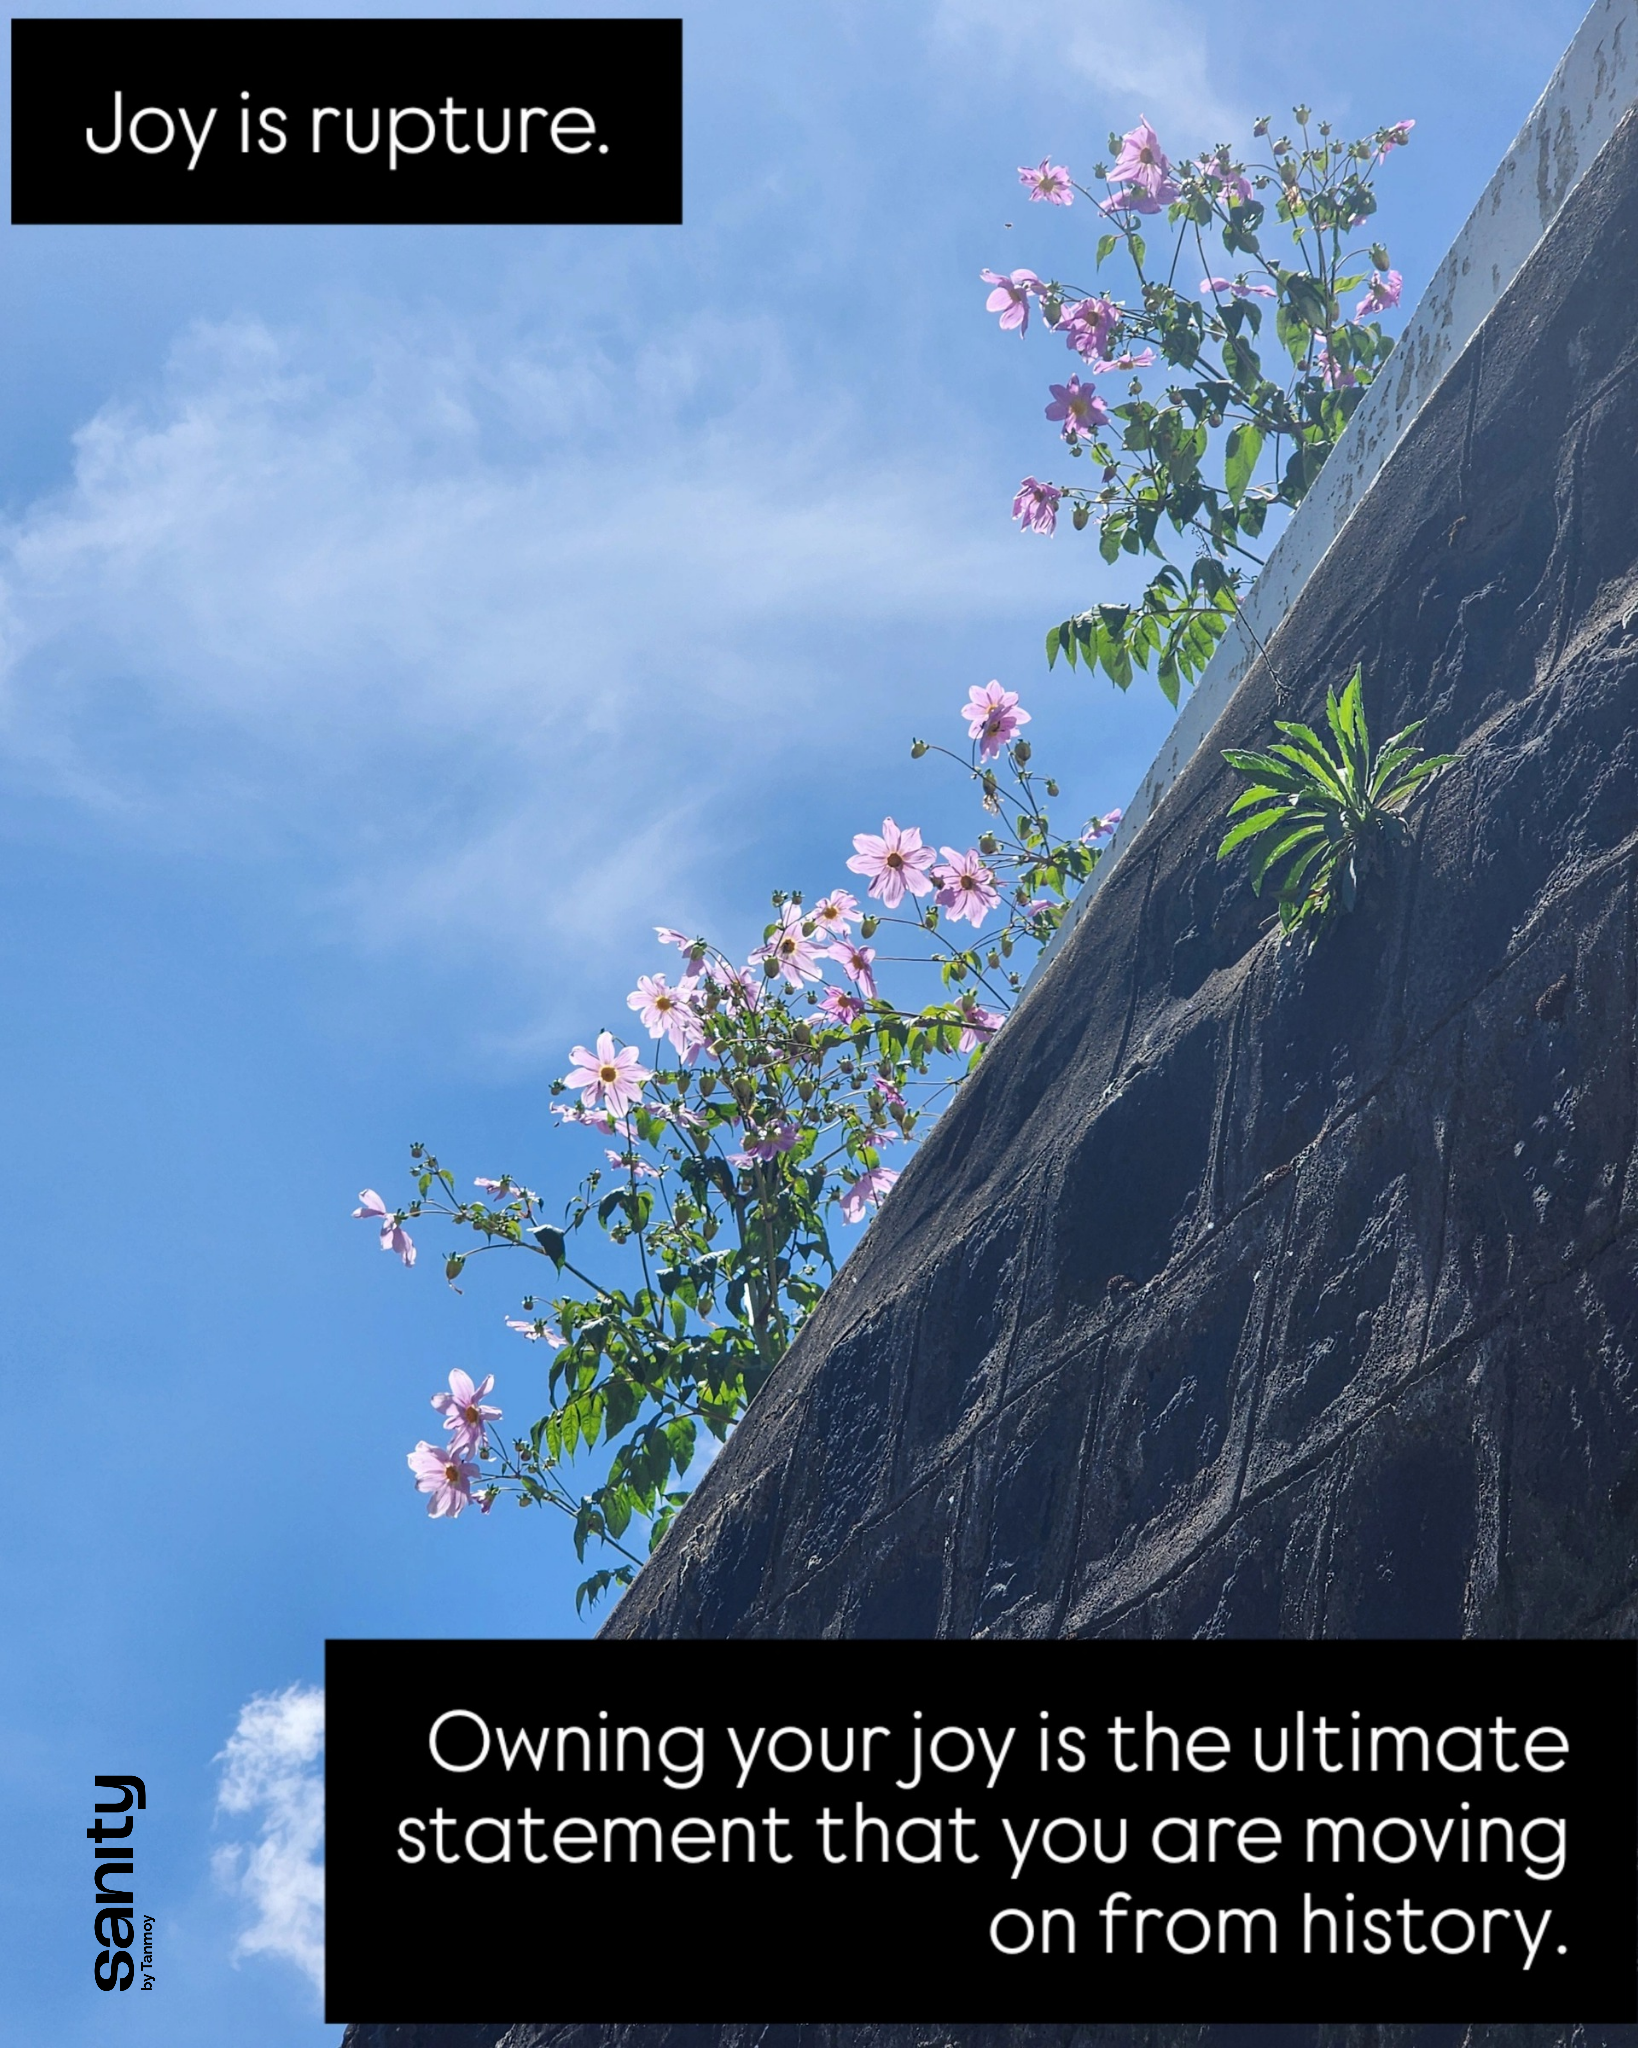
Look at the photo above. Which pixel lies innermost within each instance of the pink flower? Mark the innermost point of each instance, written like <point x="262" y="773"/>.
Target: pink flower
<point x="992" y="717"/>
<point x="1381" y="293"/>
<point x="1237" y="285"/>
<point x="443" y="1473"/>
<point x="1126" y="360"/>
<point x="856" y="961"/>
<point x="1143" y="164"/>
<point x="508" y="1190"/>
<point x="978" y="1025"/>
<point x="1079" y="407"/>
<point x="463" y="1410"/>
<point x="1011" y="297"/>
<point x="885" y="1088"/>
<point x="791" y="949"/>
<point x="665" y="1010"/>
<point x="1232" y="182"/>
<point x="1050" y="182"/>
<point x="535" y="1331"/>
<point x="394" y="1237"/>
<point x="1395" y="137"/>
<point x="608" y="1080"/>
<point x="741" y="986"/>
<point x="769" y="1146"/>
<point x="1101" y="828"/>
<point x="1336" y="375"/>
<point x="895" y="862"/>
<point x="692" y="950"/>
<point x="1133" y="199"/>
<point x="1088" y="327"/>
<point x="866" y="1192"/>
<point x="834" y="913"/>
<point x="1036" y="505"/>
<point x="630" y="1163"/>
<point x="593" y="1119"/>
<point x="967" y="891"/>
<point x="837" y="1004"/>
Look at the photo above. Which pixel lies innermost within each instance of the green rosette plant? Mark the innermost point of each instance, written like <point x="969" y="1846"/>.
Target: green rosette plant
<point x="1327" y="815"/>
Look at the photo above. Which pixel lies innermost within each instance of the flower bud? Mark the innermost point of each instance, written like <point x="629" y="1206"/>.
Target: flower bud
<point x="917" y="749"/>
<point x="1021" y="751"/>
<point x="988" y="843"/>
<point x="868" y="927"/>
<point x="1051" y="788"/>
<point x="1379" y="255"/>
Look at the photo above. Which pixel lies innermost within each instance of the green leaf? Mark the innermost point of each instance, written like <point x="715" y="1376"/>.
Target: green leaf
<point x="1248" y="828"/>
<point x="1277" y="851"/>
<point x="1308" y="299"/>
<point x="1243" y="363"/>
<point x="550" y="1242"/>
<point x="1245" y="444"/>
<point x="1106" y="244"/>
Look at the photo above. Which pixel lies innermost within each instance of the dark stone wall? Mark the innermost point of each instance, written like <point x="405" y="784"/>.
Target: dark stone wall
<point x="1244" y="1292"/>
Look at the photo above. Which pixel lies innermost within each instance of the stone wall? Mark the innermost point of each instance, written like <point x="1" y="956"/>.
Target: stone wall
<point x="1249" y="1291"/>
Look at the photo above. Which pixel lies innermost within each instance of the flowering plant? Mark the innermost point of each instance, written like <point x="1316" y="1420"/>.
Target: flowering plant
<point x="1156" y="492"/>
<point x="772" y="1093"/>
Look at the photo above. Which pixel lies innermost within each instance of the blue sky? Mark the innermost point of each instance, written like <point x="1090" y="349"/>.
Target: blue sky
<point x="395" y="625"/>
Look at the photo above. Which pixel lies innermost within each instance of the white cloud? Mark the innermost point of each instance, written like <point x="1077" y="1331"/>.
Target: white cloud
<point x="272" y="1772"/>
<point x="450" y="612"/>
<point x="1158" y="63"/>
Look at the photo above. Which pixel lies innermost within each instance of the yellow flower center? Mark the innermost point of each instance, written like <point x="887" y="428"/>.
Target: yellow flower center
<point x="605" y="1074"/>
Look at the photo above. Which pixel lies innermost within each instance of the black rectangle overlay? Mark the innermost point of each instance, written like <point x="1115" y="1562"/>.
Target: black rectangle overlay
<point x="561" y="1800"/>
<point x="304" y="122"/>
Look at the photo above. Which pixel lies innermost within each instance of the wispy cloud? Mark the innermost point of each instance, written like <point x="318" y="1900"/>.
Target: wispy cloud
<point x="440" y="611"/>
<point x="1160" y="63"/>
<point x="272" y="1773"/>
